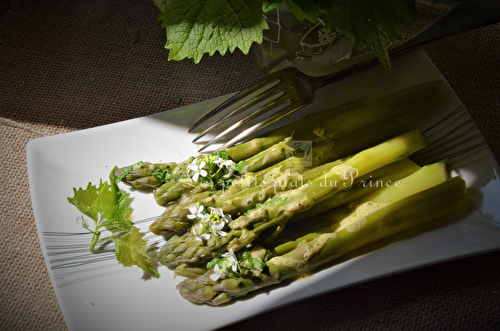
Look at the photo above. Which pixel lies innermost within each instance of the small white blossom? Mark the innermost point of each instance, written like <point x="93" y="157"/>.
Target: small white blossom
<point x="232" y="261"/>
<point x="84" y="223"/>
<point x="216" y="228"/>
<point x="229" y="164"/>
<point x="196" y="212"/>
<point x="197" y="169"/>
<point x="204" y="236"/>
<point x="218" y="211"/>
<point x="224" y="163"/>
<point x="230" y="173"/>
<point x="217" y="273"/>
<point x="80" y="220"/>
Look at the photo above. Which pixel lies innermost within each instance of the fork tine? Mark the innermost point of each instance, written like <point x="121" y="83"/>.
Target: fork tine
<point x="261" y="125"/>
<point x="240" y="109"/>
<point x="235" y="98"/>
<point x="273" y="104"/>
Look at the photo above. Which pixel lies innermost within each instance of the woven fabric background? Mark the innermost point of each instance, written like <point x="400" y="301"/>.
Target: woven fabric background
<point x="68" y="65"/>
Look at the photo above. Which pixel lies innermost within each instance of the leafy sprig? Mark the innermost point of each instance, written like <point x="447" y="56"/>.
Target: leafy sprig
<point x="107" y="205"/>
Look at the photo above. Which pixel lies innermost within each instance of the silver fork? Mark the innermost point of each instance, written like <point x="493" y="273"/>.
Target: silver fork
<point x="292" y="90"/>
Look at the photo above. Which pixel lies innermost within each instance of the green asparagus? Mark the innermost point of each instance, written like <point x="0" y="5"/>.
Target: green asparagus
<point x="189" y="249"/>
<point x="243" y="219"/>
<point x="247" y="186"/>
<point x="345" y="233"/>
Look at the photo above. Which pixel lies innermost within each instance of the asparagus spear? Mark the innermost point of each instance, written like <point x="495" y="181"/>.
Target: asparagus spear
<point x="318" y="249"/>
<point x="354" y="231"/>
<point x="362" y="163"/>
<point x="415" y="101"/>
<point x="189" y="249"/>
<point x="146" y="174"/>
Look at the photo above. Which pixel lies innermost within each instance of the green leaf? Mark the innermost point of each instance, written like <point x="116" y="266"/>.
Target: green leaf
<point x="304" y="10"/>
<point x="131" y="249"/>
<point x="198" y="27"/>
<point x="268" y="5"/>
<point x="112" y="202"/>
<point x="373" y="24"/>
<point x="107" y="199"/>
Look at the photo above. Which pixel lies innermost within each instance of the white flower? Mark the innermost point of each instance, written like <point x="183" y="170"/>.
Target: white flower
<point x="217" y="273"/>
<point x="84" y="223"/>
<point x="230" y="173"/>
<point x="218" y="211"/>
<point x="80" y="220"/>
<point x="204" y="236"/>
<point x="231" y="259"/>
<point x="224" y="163"/>
<point x="216" y="228"/>
<point x="196" y="212"/>
<point x="197" y="169"/>
<point x="230" y="262"/>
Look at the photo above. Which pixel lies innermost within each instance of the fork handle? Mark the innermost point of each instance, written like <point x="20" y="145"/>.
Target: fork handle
<point x="466" y="16"/>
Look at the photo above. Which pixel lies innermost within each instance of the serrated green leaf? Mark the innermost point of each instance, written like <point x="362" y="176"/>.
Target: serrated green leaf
<point x="198" y="27"/>
<point x="131" y="249"/>
<point x="108" y="199"/>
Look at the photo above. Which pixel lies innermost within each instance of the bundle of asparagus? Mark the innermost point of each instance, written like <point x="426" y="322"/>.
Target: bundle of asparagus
<point x="341" y="231"/>
<point x="225" y="213"/>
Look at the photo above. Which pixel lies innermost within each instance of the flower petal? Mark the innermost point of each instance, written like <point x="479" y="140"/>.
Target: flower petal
<point x="214" y="277"/>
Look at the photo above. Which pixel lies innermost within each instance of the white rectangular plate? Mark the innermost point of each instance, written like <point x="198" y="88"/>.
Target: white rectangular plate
<point x="96" y="293"/>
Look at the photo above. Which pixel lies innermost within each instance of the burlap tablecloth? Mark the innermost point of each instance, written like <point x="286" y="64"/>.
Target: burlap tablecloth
<point x="70" y="65"/>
